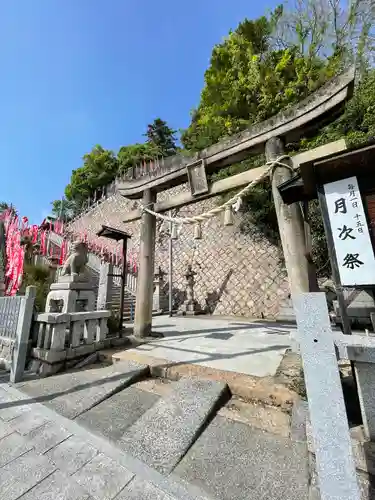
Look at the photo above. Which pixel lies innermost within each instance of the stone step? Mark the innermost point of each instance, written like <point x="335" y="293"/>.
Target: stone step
<point x="162" y="435"/>
<point x="44" y="455"/>
<point x="115" y="415"/>
<point x="73" y="393"/>
<point x="235" y="461"/>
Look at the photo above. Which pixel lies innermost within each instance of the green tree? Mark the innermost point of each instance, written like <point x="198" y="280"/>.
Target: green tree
<point x="162" y="136"/>
<point x="250" y="80"/>
<point x="6" y="206"/>
<point x="136" y="154"/>
<point x="64" y="209"/>
<point x="100" y="167"/>
<point x="3" y="206"/>
<point x="39" y="276"/>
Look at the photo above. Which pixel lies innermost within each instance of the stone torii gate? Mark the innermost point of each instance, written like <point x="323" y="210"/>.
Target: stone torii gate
<point x="269" y="137"/>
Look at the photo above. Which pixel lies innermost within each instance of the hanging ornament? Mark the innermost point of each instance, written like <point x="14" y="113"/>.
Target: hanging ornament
<point x="174" y="234"/>
<point x="198" y="231"/>
<point x="228" y="216"/>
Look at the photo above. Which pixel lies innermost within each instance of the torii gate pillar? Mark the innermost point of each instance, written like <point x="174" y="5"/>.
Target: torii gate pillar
<point x="291" y="224"/>
<point x="143" y="307"/>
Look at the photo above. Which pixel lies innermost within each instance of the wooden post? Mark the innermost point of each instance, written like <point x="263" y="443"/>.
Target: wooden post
<point x="290" y="221"/>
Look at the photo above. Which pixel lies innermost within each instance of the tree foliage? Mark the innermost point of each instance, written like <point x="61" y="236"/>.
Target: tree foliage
<point x="40" y="277"/>
<point x="101" y="166"/>
<point x="270" y="63"/>
<point x="64" y="209"/>
<point x="136" y="154"/>
<point x="160" y="135"/>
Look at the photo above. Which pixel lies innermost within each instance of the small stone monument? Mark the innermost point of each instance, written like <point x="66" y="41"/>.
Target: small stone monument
<point x="73" y="291"/>
<point x="190" y="307"/>
<point x="159" y="300"/>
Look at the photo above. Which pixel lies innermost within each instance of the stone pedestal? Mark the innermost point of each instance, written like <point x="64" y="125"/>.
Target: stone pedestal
<point x="70" y="294"/>
<point x="190" y="307"/>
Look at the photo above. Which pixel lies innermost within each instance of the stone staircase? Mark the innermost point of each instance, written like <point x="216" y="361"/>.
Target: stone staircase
<point x="179" y="433"/>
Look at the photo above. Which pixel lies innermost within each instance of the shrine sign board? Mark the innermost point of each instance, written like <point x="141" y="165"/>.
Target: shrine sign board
<point x="197" y="178"/>
<point x="353" y="247"/>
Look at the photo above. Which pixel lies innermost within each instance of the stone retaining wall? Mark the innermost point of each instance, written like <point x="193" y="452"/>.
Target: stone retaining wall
<point x="236" y="274"/>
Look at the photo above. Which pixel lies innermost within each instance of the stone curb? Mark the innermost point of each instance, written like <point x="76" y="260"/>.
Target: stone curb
<point x="363" y="450"/>
<point x="171" y="485"/>
<point x="247" y="387"/>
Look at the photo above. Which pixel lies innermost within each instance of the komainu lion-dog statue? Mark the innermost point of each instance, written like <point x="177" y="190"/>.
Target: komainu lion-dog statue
<point x="75" y="264"/>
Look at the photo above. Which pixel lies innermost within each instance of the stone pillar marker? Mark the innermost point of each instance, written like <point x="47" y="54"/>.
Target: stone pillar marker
<point x="143" y="308"/>
<point x="105" y="286"/>
<point x="290" y="222"/>
<point x="159" y="301"/>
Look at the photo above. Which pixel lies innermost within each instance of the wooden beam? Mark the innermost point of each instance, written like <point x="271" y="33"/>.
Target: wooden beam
<point x="237" y="181"/>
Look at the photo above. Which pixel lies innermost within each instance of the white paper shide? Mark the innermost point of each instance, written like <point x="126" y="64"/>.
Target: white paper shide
<point x="355" y="255"/>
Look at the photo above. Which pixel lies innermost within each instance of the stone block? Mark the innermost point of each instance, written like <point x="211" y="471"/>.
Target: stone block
<point x="235" y="461"/>
<point x="48" y="355"/>
<point x="5" y="429"/>
<point x="138" y="489"/>
<point x="89" y="331"/>
<point x="84" y="350"/>
<point x="71" y="454"/>
<point x="20" y="475"/>
<point x="12" y="409"/>
<point x="67" y="297"/>
<point x="12" y="446"/>
<point x="114" y="415"/>
<point x="101" y="329"/>
<point x="57" y="487"/>
<point x="71" y="286"/>
<point x="165" y="432"/>
<point x="58" y="337"/>
<point x="45" y="369"/>
<point x="365" y="377"/>
<point x="48" y="317"/>
<point x="76" y="333"/>
<point x="102" y="477"/>
<point x="47" y="436"/>
<point x="28" y="422"/>
<point x="71" y="394"/>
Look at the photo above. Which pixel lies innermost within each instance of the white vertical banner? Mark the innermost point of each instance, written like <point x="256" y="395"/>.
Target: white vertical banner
<point x="355" y="255"/>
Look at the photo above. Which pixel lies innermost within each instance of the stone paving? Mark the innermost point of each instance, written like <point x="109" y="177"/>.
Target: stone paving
<point x="252" y="348"/>
<point x="45" y="456"/>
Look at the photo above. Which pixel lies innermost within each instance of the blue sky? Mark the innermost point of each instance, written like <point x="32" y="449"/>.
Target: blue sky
<point x="76" y="73"/>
